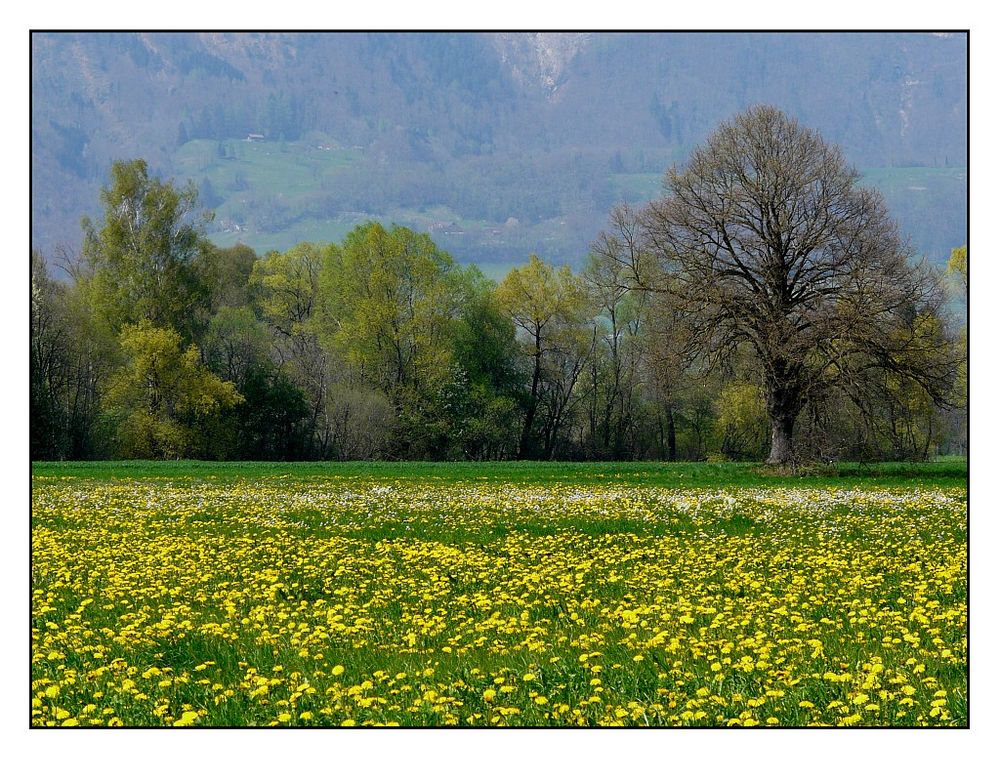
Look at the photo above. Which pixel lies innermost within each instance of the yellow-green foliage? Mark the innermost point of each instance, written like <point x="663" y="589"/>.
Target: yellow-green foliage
<point x="958" y="264"/>
<point x="741" y="425"/>
<point x="143" y="253"/>
<point x="339" y="601"/>
<point x="389" y="297"/>
<point x="541" y="298"/>
<point x="162" y="393"/>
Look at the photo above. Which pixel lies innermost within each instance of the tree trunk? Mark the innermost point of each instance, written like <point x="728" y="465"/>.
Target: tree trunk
<point x="671" y="436"/>
<point x="783" y="407"/>
<point x="529" y="418"/>
<point x="781" y="440"/>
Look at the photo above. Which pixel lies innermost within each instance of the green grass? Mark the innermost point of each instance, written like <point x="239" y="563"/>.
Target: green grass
<point x="290" y="168"/>
<point x="952" y="472"/>
<point x="314" y="231"/>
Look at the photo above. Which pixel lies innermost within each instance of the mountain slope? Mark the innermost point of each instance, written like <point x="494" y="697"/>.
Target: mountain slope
<point x="499" y="144"/>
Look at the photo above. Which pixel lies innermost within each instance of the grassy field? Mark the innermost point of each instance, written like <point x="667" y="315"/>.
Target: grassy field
<point x="497" y="594"/>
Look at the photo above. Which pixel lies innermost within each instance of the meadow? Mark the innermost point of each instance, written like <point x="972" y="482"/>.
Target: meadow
<point x="222" y="594"/>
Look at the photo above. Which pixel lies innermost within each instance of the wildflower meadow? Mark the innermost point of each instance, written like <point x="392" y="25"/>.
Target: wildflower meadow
<point x="198" y="594"/>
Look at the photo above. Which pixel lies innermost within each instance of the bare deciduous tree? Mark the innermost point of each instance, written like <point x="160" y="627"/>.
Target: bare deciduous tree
<point x="766" y="240"/>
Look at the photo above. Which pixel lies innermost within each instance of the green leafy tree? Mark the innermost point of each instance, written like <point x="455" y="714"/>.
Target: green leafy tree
<point x="549" y="307"/>
<point x="274" y="420"/>
<point x="490" y="384"/>
<point x="389" y="304"/>
<point x="225" y="273"/>
<point x="143" y="254"/>
<point x="958" y="264"/>
<point x="389" y="297"/>
<point x="272" y="423"/>
<point x="741" y="422"/>
<point x="235" y="343"/>
<point x="72" y="355"/>
<point x="287" y="293"/>
<point x="288" y="285"/>
<point x="50" y="363"/>
<point x="163" y="396"/>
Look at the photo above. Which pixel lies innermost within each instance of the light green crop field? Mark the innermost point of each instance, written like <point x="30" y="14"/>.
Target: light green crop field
<point x="201" y="594"/>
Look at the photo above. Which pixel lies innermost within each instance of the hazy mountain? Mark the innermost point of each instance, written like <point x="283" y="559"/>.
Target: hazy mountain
<point x="499" y="144"/>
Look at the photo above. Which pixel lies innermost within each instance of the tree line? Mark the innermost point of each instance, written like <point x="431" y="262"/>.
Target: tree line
<point x="764" y="306"/>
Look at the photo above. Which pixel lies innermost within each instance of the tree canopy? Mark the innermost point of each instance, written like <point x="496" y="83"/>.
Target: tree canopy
<point x="143" y="255"/>
<point x="772" y="245"/>
<point x="764" y="306"/>
<point x="164" y="395"/>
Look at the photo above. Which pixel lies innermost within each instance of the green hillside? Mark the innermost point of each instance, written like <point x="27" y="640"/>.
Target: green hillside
<point x="500" y="145"/>
<point x="271" y="195"/>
